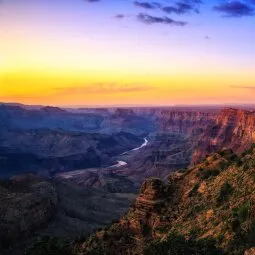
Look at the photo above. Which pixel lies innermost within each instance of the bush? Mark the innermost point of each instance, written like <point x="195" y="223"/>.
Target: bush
<point x="205" y="174"/>
<point x="49" y="246"/>
<point x="177" y="245"/>
<point x="243" y="212"/>
<point x="249" y="151"/>
<point x="194" y="190"/>
<point x="225" y="191"/>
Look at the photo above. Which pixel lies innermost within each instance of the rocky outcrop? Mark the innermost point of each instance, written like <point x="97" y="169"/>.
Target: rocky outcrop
<point x="210" y="131"/>
<point x="233" y="128"/>
<point x="209" y="209"/>
<point x="250" y="252"/>
<point x="148" y="205"/>
<point x="27" y="203"/>
<point x="184" y="122"/>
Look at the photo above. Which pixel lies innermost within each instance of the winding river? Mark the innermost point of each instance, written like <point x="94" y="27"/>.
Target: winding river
<point x="121" y="163"/>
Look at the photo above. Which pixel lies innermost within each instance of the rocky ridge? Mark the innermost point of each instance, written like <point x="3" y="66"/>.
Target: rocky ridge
<point x="211" y="207"/>
<point x="27" y="203"/>
<point x="232" y="128"/>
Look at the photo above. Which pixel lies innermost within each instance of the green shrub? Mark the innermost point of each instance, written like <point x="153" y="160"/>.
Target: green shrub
<point x="225" y="191"/>
<point x="194" y="190"/>
<point x="177" y="245"/>
<point x="243" y="212"/>
<point x="249" y="151"/>
<point x="49" y="246"/>
<point x="206" y="174"/>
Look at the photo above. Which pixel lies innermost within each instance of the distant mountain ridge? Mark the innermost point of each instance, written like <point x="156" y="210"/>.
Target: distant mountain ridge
<point x="55" y="132"/>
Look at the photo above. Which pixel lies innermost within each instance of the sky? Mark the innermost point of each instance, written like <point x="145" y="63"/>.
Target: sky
<point x="125" y="52"/>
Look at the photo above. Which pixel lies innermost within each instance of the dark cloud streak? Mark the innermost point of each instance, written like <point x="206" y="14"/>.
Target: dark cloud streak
<point x="147" y="5"/>
<point x="234" y="9"/>
<point x="148" y="19"/>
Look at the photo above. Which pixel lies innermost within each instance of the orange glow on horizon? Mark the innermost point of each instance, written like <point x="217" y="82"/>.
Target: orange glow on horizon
<point x="87" y="88"/>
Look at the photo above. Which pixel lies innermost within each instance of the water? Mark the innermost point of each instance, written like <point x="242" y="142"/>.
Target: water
<point x="123" y="163"/>
<point x="138" y="148"/>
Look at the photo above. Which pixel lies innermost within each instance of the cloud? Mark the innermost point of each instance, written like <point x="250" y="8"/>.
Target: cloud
<point x="181" y="8"/>
<point x="243" y="87"/>
<point x="147" y="5"/>
<point x="148" y="19"/>
<point x="119" y="16"/>
<point x="235" y="9"/>
<point x="103" y="88"/>
<point x="92" y="1"/>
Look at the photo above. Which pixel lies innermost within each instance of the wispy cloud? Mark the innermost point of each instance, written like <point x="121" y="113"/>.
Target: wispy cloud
<point x="243" y="87"/>
<point x="181" y="8"/>
<point x="92" y="1"/>
<point x="147" y="5"/>
<point x="103" y="88"/>
<point x="119" y="16"/>
<point x="148" y="19"/>
<point x="235" y="9"/>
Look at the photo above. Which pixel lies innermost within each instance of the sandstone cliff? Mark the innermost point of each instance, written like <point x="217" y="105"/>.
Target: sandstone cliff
<point x="232" y="128"/>
<point x="185" y="122"/>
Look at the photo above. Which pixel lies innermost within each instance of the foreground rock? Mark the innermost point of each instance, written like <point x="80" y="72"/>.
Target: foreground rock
<point x="207" y="210"/>
<point x="250" y="252"/>
<point x="27" y="204"/>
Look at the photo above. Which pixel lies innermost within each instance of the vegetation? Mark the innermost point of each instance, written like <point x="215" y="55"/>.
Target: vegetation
<point x="194" y="189"/>
<point x="249" y="151"/>
<point x="225" y="191"/>
<point x="206" y="174"/>
<point x="215" y="217"/>
<point x="47" y="245"/>
<point x="176" y="244"/>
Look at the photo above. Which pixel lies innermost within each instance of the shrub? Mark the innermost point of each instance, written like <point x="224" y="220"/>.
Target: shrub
<point x="249" y="151"/>
<point x="206" y="174"/>
<point x="243" y="212"/>
<point x="49" y="246"/>
<point x="225" y="191"/>
<point x="194" y="190"/>
<point x="177" y="244"/>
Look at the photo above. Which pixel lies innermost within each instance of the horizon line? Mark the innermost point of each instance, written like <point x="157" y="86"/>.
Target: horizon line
<point x="130" y="105"/>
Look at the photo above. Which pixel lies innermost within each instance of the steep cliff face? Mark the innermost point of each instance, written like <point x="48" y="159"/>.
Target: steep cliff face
<point x="210" y="131"/>
<point x="27" y="203"/>
<point x="232" y="128"/>
<point x="184" y="122"/>
<point x="128" y="120"/>
<point x="209" y="209"/>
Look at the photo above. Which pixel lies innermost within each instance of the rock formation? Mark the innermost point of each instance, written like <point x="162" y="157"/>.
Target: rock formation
<point x="232" y="128"/>
<point x="250" y="252"/>
<point x="211" y="206"/>
<point x="27" y="204"/>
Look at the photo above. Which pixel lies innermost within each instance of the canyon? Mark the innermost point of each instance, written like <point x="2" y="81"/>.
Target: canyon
<point x="208" y="209"/>
<point x="94" y="161"/>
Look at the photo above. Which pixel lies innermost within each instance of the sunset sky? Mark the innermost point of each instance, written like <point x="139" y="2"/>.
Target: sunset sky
<point x="119" y="52"/>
